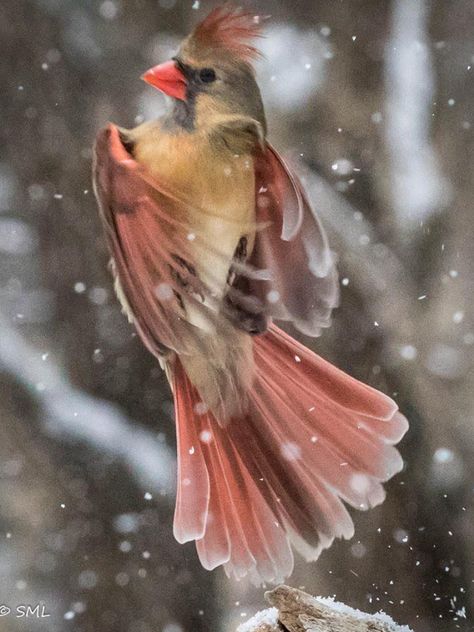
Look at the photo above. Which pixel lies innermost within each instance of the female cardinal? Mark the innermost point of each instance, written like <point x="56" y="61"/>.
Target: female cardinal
<point x="212" y="237"/>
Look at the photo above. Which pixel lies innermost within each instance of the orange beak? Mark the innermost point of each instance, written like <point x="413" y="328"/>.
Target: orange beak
<point x="168" y="78"/>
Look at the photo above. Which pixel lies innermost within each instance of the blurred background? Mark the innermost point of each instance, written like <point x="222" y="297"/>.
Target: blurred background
<point x="375" y="98"/>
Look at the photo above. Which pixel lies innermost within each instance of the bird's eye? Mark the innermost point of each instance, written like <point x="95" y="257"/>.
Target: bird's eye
<point x="207" y="75"/>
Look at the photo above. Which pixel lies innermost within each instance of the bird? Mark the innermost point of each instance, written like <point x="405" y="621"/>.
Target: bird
<point x="213" y="239"/>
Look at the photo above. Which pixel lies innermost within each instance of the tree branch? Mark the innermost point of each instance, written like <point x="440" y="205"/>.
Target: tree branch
<point x="69" y="413"/>
<point x="296" y="611"/>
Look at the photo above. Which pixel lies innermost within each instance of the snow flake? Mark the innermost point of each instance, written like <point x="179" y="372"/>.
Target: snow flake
<point x="125" y="546"/>
<point x="291" y="451"/>
<point x="408" y="352"/>
<point x="122" y="579"/>
<point x="358" y="550"/>
<point x="206" y="436"/>
<point x="343" y="166"/>
<point x="201" y="408"/>
<point x="401" y="536"/>
<point x="164" y="292"/>
<point x="443" y="455"/>
<point x="108" y="10"/>
<point x="126" y="523"/>
<point x="273" y="296"/>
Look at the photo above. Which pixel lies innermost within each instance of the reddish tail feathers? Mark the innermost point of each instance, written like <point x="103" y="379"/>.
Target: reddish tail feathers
<point x="313" y="437"/>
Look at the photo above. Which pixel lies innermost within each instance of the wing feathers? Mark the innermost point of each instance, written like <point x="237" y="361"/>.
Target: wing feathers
<point x="149" y="237"/>
<point x="306" y="290"/>
<point x="148" y="234"/>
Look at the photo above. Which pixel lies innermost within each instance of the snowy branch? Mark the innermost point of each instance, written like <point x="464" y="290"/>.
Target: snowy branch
<point x="376" y="269"/>
<point x="296" y="611"/>
<point x="71" y="414"/>
<point x="418" y="187"/>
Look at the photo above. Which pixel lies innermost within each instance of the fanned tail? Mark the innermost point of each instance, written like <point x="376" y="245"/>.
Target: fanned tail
<point x="313" y="437"/>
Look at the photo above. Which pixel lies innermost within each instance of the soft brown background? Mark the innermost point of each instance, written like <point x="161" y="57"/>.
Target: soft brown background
<point x="377" y="95"/>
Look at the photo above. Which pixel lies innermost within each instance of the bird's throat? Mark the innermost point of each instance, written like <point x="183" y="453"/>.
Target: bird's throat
<point x="183" y="114"/>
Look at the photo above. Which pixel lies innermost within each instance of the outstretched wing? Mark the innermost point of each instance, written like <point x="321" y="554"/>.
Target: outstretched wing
<point x="291" y="245"/>
<point x="146" y="230"/>
<point x="290" y="275"/>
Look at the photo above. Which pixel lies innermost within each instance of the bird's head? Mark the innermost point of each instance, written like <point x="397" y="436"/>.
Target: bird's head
<point x="211" y="75"/>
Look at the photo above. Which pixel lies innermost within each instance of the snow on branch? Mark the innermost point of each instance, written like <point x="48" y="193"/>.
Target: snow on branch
<point x="418" y="187"/>
<point x="69" y="413"/>
<point x="296" y="611"/>
<point x="374" y="265"/>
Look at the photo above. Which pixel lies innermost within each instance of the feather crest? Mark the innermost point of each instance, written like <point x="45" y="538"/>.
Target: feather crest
<point x="230" y="29"/>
